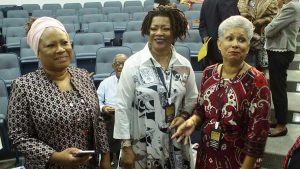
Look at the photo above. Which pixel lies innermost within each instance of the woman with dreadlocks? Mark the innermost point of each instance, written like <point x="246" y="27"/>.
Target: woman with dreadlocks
<point x="157" y="92"/>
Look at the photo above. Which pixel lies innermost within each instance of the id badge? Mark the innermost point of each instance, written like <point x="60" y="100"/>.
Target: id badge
<point x="169" y="112"/>
<point x="215" y="137"/>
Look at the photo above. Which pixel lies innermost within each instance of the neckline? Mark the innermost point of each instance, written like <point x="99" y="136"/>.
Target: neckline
<point x="236" y="75"/>
<point x="169" y="61"/>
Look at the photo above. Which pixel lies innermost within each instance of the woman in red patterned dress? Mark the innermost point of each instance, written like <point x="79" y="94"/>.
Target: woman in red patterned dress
<point x="233" y="105"/>
<point x="291" y="160"/>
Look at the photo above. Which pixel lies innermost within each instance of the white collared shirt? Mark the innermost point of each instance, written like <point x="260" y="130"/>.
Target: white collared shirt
<point x="107" y="91"/>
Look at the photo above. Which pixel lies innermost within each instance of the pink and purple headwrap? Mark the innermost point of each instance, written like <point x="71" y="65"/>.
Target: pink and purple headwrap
<point x="37" y="29"/>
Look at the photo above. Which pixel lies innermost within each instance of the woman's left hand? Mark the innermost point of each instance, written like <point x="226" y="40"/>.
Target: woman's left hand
<point x="105" y="161"/>
<point x="184" y="131"/>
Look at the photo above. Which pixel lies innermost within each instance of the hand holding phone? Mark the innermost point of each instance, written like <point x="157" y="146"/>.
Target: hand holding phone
<point x="112" y="110"/>
<point x="83" y="153"/>
<point x="109" y="110"/>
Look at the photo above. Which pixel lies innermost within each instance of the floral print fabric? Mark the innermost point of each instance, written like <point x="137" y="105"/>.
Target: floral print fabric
<point x="245" y="103"/>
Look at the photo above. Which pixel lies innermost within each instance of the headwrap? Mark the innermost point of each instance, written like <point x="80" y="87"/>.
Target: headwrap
<point x="37" y="28"/>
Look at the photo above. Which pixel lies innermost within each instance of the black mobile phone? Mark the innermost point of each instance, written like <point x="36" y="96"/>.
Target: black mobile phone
<point x="112" y="110"/>
<point x="84" y="153"/>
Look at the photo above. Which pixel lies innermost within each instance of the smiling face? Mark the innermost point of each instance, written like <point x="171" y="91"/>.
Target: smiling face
<point x="55" y="50"/>
<point x="160" y="35"/>
<point x="118" y="64"/>
<point x="234" y="45"/>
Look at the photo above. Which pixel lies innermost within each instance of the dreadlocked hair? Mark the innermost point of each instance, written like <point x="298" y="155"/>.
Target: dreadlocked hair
<point x="28" y="24"/>
<point x="179" y="23"/>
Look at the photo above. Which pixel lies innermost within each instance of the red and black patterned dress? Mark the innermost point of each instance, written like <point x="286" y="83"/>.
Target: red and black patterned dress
<point x="245" y="103"/>
<point x="291" y="152"/>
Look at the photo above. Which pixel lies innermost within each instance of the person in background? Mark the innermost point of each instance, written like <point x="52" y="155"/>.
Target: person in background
<point x="53" y="113"/>
<point x="280" y="3"/>
<point x="260" y="13"/>
<point x="213" y="12"/>
<point x="291" y="160"/>
<point x="161" y="2"/>
<point x="233" y="105"/>
<point x="281" y="44"/>
<point x="157" y="87"/>
<point x="107" y="93"/>
<point x="190" y="3"/>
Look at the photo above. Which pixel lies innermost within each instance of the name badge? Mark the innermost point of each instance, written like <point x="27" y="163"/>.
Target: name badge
<point x="215" y="137"/>
<point x="169" y="112"/>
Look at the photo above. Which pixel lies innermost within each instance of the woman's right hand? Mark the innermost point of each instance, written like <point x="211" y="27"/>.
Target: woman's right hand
<point x="127" y="158"/>
<point x="66" y="158"/>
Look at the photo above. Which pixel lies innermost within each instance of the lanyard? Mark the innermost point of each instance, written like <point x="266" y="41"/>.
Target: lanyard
<point x="162" y="79"/>
<point x="226" y="92"/>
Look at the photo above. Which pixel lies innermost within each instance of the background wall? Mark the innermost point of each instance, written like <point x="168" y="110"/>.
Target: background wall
<point x="20" y="2"/>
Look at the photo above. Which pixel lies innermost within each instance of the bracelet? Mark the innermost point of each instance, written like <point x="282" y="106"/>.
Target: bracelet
<point x="125" y="143"/>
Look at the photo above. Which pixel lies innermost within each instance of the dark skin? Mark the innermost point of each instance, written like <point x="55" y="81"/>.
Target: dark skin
<point x="55" y="54"/>
<point x="171" y="24"/>
<point x="56" y="69"/>
<point x="128" y="158"/>
<point x="67" y="159"/>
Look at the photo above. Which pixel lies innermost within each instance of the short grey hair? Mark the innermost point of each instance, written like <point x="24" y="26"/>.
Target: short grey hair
<point x="236" y="21"/>
<point x="119" y="55"/>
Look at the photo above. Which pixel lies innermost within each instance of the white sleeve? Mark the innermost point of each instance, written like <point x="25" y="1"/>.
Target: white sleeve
<point x="101" y="94"/>
<point x="285" y="17"/>
<point x="125" y="96"/>
<point x="191" y="93"/>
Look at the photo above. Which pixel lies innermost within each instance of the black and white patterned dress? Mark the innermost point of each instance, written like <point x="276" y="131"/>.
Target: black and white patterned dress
<point x="140" y="107"/>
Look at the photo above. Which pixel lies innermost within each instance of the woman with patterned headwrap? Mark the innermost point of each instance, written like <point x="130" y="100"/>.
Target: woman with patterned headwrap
<point x="53" y="113"/>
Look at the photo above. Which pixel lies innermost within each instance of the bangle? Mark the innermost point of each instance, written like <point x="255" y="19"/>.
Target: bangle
<point x="125" y="143"/>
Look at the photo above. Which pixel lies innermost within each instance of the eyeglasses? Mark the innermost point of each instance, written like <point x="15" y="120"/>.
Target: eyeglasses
<point x="119" y="64"/>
